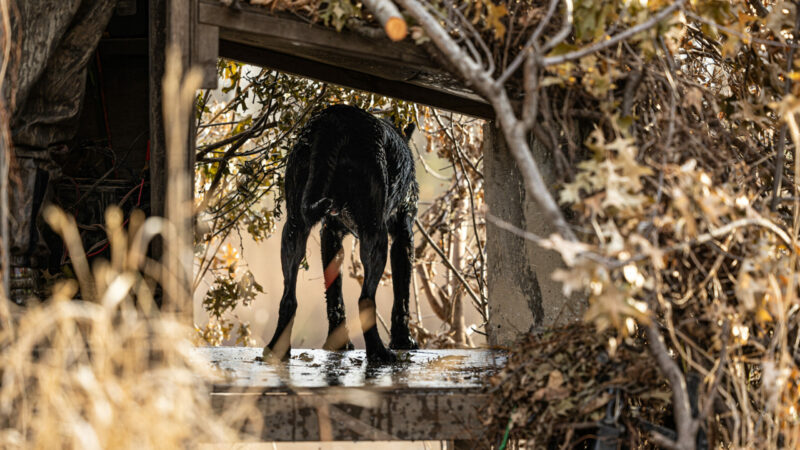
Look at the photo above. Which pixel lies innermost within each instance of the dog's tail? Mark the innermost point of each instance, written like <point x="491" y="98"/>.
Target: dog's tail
<point x="324" y="158"/>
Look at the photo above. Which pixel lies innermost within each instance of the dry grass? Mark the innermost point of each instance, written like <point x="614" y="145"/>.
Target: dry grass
<point x="98" y="365"/>
<point x="108" y="372"/>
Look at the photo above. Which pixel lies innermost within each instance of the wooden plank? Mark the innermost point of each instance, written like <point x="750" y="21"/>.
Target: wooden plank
<point x="205" y="52"/>
<point x="180" y="22"/>
<point x="430" y="395"/>
<point x="396" y="69"/>
<point x="157" y="41"/>
<point x="307" y="369"/>
<point x="377" y="65"/>
<point x="292" y="36"/>
<point x="458" y="102"/>
<point x="398" y="416"/>
<point x="181" y="16"/>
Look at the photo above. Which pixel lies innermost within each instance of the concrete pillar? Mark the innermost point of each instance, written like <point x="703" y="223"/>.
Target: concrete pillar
<point x="522" y="294"/>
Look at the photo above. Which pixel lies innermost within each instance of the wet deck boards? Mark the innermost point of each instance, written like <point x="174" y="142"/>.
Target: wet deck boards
<point x="322" y="395"/>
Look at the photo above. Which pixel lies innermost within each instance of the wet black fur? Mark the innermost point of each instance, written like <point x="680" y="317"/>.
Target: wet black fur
<point x="355" y="173"/>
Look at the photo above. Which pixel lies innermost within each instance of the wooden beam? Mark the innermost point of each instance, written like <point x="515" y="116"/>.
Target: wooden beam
<point x="293" y="36"/>
<point x="181" y="22"/>
<point x="205" y="52"/>
<point x="157" y="42"/>
<point x="409" y="91"/>
<point x="179" y="28"/>
<point x="423" y="414"/>
<point x="395" y="69"/>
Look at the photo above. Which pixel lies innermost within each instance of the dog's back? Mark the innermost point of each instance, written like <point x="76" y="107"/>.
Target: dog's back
<point x="345" y="156"/>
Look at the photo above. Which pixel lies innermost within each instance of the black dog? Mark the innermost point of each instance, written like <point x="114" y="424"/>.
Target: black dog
<point x="356" y="174"/>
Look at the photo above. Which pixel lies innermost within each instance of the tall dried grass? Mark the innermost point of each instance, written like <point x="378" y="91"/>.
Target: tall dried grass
<point x="110" y="370"/>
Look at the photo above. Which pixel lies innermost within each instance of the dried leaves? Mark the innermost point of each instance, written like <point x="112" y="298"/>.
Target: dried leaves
<point x="564" y="378"/>
<point x="684" y="194"/>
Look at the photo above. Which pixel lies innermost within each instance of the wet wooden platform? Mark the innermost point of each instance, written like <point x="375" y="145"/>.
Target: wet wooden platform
<point x="322" y="395"/>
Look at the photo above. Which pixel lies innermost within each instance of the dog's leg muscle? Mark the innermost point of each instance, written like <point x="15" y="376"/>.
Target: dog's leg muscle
<point x="332" y="255"/>
<point x="402" y="255"/>
<point x="293" y="249"/>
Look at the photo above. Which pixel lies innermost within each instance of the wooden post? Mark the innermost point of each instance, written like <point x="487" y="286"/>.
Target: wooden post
<point x="157" y="44"/>
<point x="522" y="293"/>
<point x="196" y="45"/>
<point x="171" y="24"/>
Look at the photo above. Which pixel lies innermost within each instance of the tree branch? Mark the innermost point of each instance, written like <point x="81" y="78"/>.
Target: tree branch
<point x="516" y="133"/>
<point x="681" y="408"/>
<point x="449" y="264"/>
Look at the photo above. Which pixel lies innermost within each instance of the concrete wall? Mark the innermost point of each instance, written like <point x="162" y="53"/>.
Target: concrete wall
<point x="522" y="294"/>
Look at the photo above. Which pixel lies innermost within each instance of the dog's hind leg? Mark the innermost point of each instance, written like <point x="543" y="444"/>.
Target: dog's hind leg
<point x="402" y="256"/>
<point x="373" y="257"/>
<point x="293" y="249"/>
<point x="331" y="235"/>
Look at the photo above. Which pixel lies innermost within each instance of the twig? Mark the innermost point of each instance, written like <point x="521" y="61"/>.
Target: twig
<point x="723" y="352"/>
<point x="449" y="264"/>
<point x="682" y="412"/>
<point x="616" y="263"/>
<point x="516" y="133"/>
<point x="383" y="322"/>
<point x="428" y="169"/>
<point x="743" y="36"/>
<point x="237" y="139"/>
<point x="605" y="43"/>
<point x="393" y="23"/>
<point x="560" y="36"/>
<point x="779" y="151"/>
<point x="461" y="158"/>
<point x="439" y="308"/>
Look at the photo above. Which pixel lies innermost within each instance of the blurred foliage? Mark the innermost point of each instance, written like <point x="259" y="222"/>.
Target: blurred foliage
<point x="97" y="365"/>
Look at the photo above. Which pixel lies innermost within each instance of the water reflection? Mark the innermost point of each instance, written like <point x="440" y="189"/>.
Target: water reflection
<point x="321" y="368"/>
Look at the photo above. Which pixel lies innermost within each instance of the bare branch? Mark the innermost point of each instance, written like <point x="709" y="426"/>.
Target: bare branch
<point x="456" y="272"/>
<point x="516" y="133"/>
<point x="682" y="412"/>
<point x="596" y="47"/>
<point x="566" y="28"/>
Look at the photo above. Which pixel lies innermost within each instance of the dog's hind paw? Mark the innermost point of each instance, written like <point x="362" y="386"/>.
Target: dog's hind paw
<point x="382" y="355"/>
<point x="403" y="343"/>
<point x="270" y="356"/>
<point x="341" y="348"/>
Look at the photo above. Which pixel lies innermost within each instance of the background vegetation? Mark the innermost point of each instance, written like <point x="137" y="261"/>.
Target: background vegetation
<point x="246" y="129"/>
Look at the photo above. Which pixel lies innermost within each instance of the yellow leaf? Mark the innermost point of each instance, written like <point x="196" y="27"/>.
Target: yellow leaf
<point x="763" y="316"/>
<point x="493" y="15"/>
